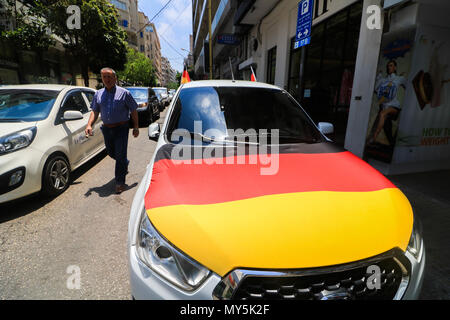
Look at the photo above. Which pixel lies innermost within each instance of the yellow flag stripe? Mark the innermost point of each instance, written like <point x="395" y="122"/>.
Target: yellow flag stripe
<point x="294" y="230"/>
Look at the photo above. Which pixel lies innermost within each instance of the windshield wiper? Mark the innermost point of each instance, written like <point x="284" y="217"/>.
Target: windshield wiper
<point x="11" y="120"/>
<point x="203" y="137"/>
<point x="281" y="136"/>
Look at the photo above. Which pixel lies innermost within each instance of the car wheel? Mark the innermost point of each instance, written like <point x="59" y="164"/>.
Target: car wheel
<point x="56" y="176"/>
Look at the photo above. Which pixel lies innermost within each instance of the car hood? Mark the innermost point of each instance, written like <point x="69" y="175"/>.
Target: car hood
<point x="323" y="206"/>
<point x="7" y="128"/>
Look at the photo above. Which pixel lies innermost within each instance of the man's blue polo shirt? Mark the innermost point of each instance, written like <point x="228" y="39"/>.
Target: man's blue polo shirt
<point x="115" y="105"/>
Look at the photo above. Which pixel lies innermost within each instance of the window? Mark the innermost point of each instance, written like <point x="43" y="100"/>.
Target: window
<point x="271" y="65"/>
<point x="119" y="5"/>
<point x="141" y="34"/>
<point x="125" y="23"/>
<point x="89" y="95"/>
<point x="142" y="48"/>
<point x="74" y="102"/>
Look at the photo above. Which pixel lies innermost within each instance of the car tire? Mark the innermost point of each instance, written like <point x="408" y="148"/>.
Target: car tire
<point x="56" y="176"/>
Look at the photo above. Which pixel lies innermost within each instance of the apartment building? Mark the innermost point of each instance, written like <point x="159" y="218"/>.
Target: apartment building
<point x="155" y="51"/>
<point x="200" y="35"/>
<point x="142" y="35"/>
<point x="343" y="66"/>
<point x="189" y="60"/>
<point x="129" y="19"/>
<point x="148" y="42"/>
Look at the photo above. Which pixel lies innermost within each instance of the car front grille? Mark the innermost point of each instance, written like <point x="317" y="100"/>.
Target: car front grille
<point x="345" y="282"/>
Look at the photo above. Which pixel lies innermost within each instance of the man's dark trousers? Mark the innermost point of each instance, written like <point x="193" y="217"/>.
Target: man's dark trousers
<point x="116" y="142"/>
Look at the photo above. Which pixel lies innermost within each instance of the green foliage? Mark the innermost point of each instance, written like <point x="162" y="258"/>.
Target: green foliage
<point x="173" y="85"/>
<point x="100" y="42"/>
<point x="178" y="77"/>
<point x="138" y="70"/>
<point x="30" y="29"/>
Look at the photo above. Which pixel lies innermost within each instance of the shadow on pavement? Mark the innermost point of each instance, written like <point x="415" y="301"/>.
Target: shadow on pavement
<point x="107" y="189"/>
<point x="26" y="205"/>
<point x="23" y="206"/>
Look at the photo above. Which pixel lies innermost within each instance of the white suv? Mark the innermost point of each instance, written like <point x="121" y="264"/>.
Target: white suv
<point x="42" y="137"/>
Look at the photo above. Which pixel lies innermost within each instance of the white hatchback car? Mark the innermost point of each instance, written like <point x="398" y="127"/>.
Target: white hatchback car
<point x="42" y="138"/>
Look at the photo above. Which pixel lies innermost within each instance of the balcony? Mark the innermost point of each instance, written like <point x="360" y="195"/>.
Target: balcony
<point x="250" y="12"/>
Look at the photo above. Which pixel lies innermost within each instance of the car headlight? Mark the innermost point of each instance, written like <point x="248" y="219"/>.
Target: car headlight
<point x="416" y="240"/>
<point x="17" y="140"/>
<point x="167" y="261"/>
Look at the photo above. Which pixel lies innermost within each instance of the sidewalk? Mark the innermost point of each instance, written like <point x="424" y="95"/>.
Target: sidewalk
<point x="429" y="194"/>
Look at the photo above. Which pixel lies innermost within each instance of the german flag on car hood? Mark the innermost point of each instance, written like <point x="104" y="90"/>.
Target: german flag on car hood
<point x="324" y="206"/>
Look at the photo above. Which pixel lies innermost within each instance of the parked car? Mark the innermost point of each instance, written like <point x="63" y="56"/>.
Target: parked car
<point x="163" y="94"/>
<point x="171" y="94"/>
<point x="42" y="138"/>
<point x="161" y="102"/>
<point x="208" y="222"/>
<point x="148" y="103"/>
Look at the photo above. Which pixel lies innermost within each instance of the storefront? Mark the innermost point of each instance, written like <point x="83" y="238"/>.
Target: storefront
<point x="412" y="88"/>
<point x="386" y="89"/>
<point x="329" y="68"/>
<point x="330" y="57"/>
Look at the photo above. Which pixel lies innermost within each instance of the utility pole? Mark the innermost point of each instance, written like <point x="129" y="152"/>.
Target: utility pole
<point x="210" y="42"/>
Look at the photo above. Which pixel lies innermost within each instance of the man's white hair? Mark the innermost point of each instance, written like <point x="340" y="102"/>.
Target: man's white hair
<point x="108" y="69"/>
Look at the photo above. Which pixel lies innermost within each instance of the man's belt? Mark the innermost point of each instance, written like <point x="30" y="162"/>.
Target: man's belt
<point x="113" y="125"/>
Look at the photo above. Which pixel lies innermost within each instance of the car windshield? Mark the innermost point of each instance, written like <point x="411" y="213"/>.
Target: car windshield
<point x="229" y="112"/>
<point x="139" y="94"/>
<point x="26" y="105"/>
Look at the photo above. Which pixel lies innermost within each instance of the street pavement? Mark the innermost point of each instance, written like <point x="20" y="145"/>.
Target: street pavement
<point x="428" y="193"/>
<point x="86" y="227"/>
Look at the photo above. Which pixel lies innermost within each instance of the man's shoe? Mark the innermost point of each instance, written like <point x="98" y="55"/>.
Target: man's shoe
<point x="120" y="188"/>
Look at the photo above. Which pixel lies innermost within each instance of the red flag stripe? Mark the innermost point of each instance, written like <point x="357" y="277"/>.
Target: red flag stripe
<point x="174" y="184"/>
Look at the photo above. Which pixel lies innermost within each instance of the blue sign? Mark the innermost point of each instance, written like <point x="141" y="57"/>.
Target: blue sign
<point x="230" y="39"/>
<point x="304" y="23"/>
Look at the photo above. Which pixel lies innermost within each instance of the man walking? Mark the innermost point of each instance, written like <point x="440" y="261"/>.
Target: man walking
<point x="115" y="105"/>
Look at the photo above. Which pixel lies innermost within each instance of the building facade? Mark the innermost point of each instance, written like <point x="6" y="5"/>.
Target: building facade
<point x="129" y="20"/>
<point x="148" y="42"/>
<point x="169" y="74"/>
<point x="343" y="75"/>
<point x="142" y="35"/>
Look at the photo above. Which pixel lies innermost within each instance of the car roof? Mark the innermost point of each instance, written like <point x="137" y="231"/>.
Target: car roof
<point x="55" y="87"/>
<point x="138" y="87"/>
<point x="228" y="83"/>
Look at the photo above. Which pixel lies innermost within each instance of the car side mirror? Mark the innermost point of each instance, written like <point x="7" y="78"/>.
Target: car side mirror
<point x="153" y="131"/>
<point x="72" y="115"/>
<point x="326" y="128"/>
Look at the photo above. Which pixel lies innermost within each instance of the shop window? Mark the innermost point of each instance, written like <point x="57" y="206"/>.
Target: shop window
<point x="329" y="66"/>
<point x="271" y="65"/>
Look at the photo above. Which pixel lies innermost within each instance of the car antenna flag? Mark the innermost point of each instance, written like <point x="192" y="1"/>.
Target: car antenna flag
<point x="253" y="77"/>
<point x="185" y="77"/>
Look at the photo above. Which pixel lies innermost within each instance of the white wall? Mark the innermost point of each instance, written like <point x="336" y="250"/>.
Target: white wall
<point x="363" y="83"/>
